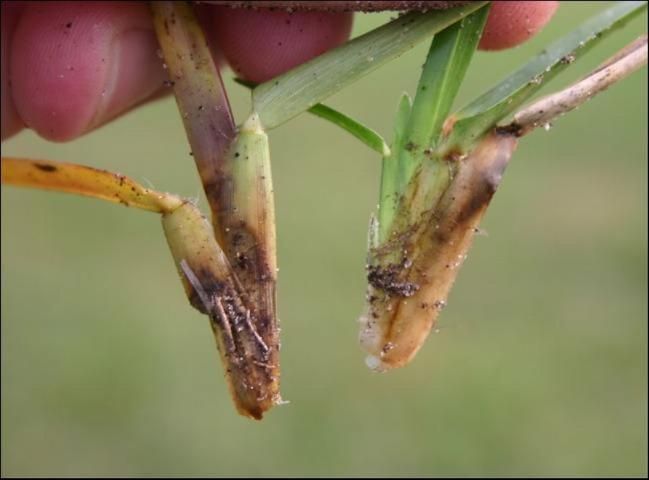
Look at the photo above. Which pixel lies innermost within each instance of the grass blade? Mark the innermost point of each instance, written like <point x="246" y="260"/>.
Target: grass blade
<point x="294" y="92"/>
<point x="390" y="178"/>
<point x="448" y="59"/>
<point x="85" y="181"/>
<point x="546" y="109"/>
<point x="484" y="112"/>
<point x="365" y="134"/>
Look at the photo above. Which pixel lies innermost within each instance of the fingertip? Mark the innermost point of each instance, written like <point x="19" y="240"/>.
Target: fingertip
<point x="10" y="121"/>
<point x="77" y="65"/>
<point x="511" y="23"/>
<point x="53" y="85"/>
<point x="260" y="44"/>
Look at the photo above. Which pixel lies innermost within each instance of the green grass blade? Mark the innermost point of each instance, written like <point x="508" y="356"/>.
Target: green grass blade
<point x="365" y="134"/>
<point x="450" y="53"/>
<point x="390" y="179"/>
<point x="448" y="59"/>
<point x="485" y="111"/>
<point x="419" y="127"/>
<point x="293" y="92"/>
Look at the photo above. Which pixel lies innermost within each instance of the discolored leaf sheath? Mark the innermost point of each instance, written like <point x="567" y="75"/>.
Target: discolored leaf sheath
<point x="246" y="216"/>
<point x="198" y="88"/>
<point x="405" y="297"/>
<point x="249" y="351"/>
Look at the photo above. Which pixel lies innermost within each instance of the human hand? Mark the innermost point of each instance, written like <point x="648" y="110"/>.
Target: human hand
<point x="70" y="67"/>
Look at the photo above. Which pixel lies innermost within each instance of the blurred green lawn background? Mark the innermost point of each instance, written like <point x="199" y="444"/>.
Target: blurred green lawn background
<point x="539" y="364"/>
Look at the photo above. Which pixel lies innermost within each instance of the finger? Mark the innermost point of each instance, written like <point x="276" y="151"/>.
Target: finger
<point x="260" y="44"/>
<point x="511" y="23"/>
<point x="11" y="122"/>
<point x="76" y="65"/>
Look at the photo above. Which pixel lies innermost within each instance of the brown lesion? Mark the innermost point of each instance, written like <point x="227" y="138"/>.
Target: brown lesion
<point x="43" y="167"/>
<point x="248" y="342"/>
<point x="252" y="262"/>
<point x="511" y="129"/>
<point x="387" y="279"/>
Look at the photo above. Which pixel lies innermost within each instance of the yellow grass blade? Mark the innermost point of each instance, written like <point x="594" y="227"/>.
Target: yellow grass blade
<point x="86" y="181"/>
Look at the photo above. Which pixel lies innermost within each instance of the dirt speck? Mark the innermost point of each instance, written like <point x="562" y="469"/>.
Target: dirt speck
<point x="387" y="279"/>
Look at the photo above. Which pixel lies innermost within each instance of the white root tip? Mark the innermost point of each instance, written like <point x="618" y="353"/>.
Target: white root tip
<point x="375" y="364"/>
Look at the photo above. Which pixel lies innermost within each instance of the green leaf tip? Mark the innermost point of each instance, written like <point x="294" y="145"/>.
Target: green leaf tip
<point x="365" y="134"/>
